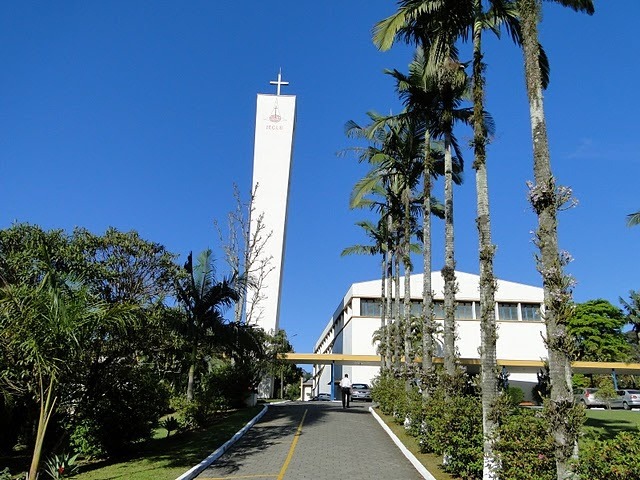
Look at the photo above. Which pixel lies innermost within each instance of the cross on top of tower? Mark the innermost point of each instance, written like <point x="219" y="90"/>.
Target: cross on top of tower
<point x="278" y="82"/>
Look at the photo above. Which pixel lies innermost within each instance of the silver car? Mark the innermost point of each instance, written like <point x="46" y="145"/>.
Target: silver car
<point x="588" y="397"/>
<point x="360" y="391"/>
<point x="627" y="399"/>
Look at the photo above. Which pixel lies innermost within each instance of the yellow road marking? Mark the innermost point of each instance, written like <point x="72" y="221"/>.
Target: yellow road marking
<point x="293" y="447"/>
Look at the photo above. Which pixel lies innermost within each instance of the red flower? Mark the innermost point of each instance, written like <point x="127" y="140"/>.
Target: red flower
<point x="61" y="469"/>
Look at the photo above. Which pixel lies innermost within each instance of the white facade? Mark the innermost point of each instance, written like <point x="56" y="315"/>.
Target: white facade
<point x="520" y="328"/>
<point x="275" y="126"/>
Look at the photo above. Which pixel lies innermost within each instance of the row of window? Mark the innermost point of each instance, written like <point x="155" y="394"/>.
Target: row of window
<point x="370" y="307"/>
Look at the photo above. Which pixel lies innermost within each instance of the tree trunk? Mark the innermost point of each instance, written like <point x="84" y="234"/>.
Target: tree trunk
<point x="383" y="314"/>
<point x="428" y="324"/>
<point x="406" y="259"/>
<point x="557" y="287"/>
<point x="47" y="405"/>
<point x="397" y="317"/>
<point x="389" y="299"/>
<point x="488" y="334"/>
<point x="192" y="373"/>
<point x="448" y="272"/>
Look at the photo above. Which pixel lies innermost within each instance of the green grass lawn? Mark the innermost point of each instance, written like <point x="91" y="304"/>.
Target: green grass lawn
<point x="608" y="423"/>
<point x="167" y="458"/>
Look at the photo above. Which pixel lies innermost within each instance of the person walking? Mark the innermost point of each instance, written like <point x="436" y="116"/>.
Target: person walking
<point x="345" y="388"/>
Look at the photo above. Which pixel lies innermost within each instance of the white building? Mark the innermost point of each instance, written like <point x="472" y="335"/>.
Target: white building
<point x="520" y="327"/>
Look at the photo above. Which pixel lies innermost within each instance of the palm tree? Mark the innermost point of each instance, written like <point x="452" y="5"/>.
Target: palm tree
<point x="499" y="12"/>
<point x="433" y="26"/>
<point x="546" y="198"/>
<point x="395" y="159"/>
<point x="204" y="300"/>
<point x="379" y="235"/>
<point x="43" y="326"/>
<point x="633" y="219"/>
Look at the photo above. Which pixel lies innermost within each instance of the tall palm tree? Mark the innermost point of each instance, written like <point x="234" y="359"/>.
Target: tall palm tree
<point x="546" y="198"/>
<point x="379" y="235"/>
<point x="433" y="26"/>
<point x="422" y="100"/>
<point x="204" y="299"/>
<point x="500" y="12"/>
<point x="396" y="169"/>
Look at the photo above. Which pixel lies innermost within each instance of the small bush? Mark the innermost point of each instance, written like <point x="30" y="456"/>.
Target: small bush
<point x="388" y="392"/>
<point x="515" y="395"/>
<point x="84" y="439"/>
<point x="524" y="448"/>
<point x="614" y="459"/>
<point x="453" y="428"/>
<point x="61" y="466"/>
<point x="123" y="406"/>
<point x="170" y="424"/>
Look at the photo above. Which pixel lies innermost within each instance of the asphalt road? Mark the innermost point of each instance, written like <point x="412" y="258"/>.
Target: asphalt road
<point x="314" y="440"/>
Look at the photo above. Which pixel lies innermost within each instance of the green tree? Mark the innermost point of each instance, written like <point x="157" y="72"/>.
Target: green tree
<point x="596" y="327"/>
<point x="379" y="236"/>
<point x="420" y="97"/>
<point x="204" y="300"/>
<point x="42" y="328"/>
<point x="433" y="27"/>
<point x="546" y="199"/>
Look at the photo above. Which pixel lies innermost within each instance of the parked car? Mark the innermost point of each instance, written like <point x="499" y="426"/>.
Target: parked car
<point x="322" y="397"/>
<point x="628" y="399"/>
<point x="360" y="391"/>
<point x="588" y="397"/>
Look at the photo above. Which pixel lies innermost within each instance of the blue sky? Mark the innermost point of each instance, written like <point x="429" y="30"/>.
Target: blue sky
<point x="140" y="115"/>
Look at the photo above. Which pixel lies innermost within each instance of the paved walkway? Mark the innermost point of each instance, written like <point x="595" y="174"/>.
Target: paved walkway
<point x="314" y="440"/>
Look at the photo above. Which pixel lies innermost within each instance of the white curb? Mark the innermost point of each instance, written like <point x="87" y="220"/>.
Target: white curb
<point x="410" y="456"/>
<point x="195" y="471"/>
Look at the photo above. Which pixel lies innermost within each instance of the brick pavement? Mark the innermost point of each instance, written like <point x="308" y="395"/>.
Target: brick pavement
<point x="333" y="444"/>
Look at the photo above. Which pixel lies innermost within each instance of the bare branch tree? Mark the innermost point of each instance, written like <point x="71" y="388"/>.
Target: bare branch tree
<point x="244" y="253"/>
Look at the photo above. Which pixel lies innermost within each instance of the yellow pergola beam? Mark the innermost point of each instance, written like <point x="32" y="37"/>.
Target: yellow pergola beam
<point x="532" y="365"/>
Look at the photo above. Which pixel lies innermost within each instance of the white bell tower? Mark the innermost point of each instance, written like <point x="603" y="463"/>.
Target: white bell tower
<point x="275" y="126"/>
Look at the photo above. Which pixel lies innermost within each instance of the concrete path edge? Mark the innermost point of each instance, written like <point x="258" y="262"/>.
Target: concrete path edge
<point x="410" y="456"/>
<point x="195" y="471"/>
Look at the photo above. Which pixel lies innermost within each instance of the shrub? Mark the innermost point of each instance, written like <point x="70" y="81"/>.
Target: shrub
<point x="614" y="459"/>
<point x="453" y="428"/>
<point x="85" y="440"/>
<point x="524" y="448"/>
<point x="515" y="395"/>
<point x="388" y="392"/>
<point x="124" y="404"/>
<point x="292" y="391"/>
<point x="605" y="389"/>
<point x="61" y="466"/>
<point x="170" y="424"/>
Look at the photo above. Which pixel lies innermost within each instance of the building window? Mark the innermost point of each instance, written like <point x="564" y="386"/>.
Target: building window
<point x="438" y="310"/>
<point x="531" y="312"/>
<point x="507" y="311"/>
<point x="369" y="307"/>
<point x="464" y="311"/>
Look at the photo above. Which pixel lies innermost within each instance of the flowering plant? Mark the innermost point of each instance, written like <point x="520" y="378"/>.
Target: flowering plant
<point x="61" y="466"/>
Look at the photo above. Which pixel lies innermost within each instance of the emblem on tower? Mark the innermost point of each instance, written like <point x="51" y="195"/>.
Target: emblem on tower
<point x="275" y="113"/>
